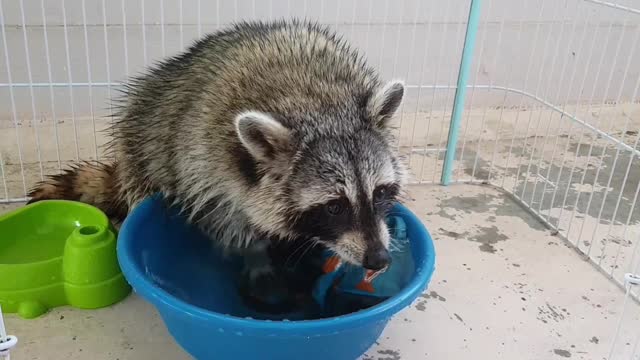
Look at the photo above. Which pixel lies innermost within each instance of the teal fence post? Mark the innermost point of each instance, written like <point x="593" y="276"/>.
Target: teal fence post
<point x="461" y="90"/>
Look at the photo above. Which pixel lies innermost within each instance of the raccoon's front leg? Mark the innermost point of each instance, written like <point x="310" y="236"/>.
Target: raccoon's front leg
<point x="261" y="284"/>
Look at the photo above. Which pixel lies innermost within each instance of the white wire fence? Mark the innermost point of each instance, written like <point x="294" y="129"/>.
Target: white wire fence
<point x="63" y="62"/>
<point x="552" y="114"/>
<point x="557" y="128"/>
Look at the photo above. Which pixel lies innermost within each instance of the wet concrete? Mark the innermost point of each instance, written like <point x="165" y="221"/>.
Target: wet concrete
<point x="488" y="237"/>
<point x="562" y="353"/>
<point x="584" y="186"/>
<point x="531" y="298"/>
<point x="591" y="192"/>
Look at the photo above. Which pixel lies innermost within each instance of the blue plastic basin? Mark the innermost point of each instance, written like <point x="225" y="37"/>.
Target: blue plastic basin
<point x="173" y="266"/>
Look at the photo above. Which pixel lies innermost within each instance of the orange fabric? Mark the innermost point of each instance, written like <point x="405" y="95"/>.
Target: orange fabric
<point x="331" y="264"/>
<point x="365" y="286"/>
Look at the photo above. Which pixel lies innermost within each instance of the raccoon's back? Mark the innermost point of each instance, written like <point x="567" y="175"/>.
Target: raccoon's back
<point x="272" y="67"/>
<point x="285" y="68"/>
<point x="179" y="115"/>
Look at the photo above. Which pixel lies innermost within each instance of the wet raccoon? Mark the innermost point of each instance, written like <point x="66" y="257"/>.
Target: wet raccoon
<point x="261" y="132"/>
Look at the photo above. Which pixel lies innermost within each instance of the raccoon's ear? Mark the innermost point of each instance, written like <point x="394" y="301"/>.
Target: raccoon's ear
<point x="385" y="102"/>
<point x="262" y="135"/>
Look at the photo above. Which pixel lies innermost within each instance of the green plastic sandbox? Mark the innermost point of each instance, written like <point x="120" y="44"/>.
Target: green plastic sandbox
<point x="55" y="253"/>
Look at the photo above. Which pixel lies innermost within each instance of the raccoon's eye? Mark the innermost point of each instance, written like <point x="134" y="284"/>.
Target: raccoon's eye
<point x="335" y="207"/>
<point x="380" y="193"/>
<point x="385" y="192"/>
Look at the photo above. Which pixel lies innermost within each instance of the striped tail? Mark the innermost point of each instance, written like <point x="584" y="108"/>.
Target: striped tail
<point x="88" y="182"/>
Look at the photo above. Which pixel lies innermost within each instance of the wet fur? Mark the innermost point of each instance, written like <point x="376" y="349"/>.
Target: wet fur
<point x="177" y="133"/>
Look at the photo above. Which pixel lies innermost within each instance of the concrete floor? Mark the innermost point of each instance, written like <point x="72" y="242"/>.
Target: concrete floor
<point x="504" y="288"/>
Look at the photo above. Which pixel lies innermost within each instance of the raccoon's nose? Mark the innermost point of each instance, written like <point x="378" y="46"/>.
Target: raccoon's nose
<point x="377" y="259"/>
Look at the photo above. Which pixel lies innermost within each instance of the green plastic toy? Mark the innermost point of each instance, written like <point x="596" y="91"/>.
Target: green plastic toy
<point x="55" y="253"/>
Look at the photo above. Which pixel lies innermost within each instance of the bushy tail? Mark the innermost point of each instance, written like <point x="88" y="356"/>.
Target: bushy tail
<point x="91" y="183"/>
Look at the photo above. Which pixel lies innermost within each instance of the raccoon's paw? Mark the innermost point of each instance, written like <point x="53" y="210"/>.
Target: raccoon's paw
<point x="265" y="284"/>
<point x="264" y="290"/>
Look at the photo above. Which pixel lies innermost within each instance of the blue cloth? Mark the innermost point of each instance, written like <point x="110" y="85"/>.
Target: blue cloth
<point x="337" y="292"/>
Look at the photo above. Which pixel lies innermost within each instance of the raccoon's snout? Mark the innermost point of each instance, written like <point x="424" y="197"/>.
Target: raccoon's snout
<point x="376" y="259"/>
<point x="377" y="256"/>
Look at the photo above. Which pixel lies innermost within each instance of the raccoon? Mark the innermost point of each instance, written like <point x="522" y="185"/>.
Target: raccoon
<point x="260" y="133"/>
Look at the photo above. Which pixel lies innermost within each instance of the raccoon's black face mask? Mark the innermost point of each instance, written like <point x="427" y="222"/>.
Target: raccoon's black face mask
<point x="345" y="187"/>
<point x="337" y="186"/>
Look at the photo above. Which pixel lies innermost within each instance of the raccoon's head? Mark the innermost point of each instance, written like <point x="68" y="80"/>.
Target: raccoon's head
<point x="336" y="186"/>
